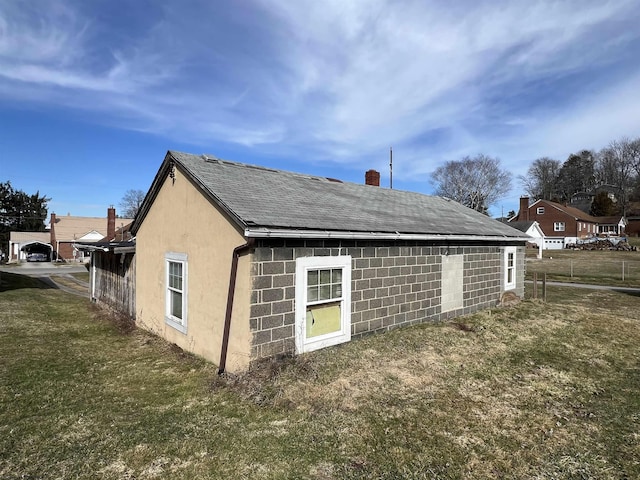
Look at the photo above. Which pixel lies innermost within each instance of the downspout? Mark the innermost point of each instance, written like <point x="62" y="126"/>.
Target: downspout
<point x="232" y="289"/>
<point x="93" y="276"/>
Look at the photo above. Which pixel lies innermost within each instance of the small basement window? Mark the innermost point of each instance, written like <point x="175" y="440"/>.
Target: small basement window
<point x="176" y="291"/>
<point x="323" y="302"/>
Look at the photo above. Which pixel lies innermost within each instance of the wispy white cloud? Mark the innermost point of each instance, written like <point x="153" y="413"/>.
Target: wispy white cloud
<point x="402" y="72"/>
<point x="26" y="37"/>
<point x="340" y="80"/>
<point x="56" y="49"/>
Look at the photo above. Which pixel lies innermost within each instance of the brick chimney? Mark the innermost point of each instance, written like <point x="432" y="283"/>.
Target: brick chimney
<point x="111" y="223"/>
<point x="52" y="235"/>
<point x="372" y="177"/>
<point x="523" y="215"/>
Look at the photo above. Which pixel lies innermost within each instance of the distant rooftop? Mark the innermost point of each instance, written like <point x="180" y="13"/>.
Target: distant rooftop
<point x="69" y="228"/>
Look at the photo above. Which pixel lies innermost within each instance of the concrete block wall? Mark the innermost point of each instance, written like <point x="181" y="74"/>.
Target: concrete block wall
<point x="482" y="283"/>
<point x="392" y="285"/>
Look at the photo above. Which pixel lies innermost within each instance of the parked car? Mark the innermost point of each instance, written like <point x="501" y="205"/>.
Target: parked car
<point x="37" y="257"/>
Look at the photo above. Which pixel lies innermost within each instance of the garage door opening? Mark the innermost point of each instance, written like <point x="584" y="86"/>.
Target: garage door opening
<point x="36" y="252"/>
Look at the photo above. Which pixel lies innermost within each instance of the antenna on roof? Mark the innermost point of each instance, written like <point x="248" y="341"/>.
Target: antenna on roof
<point x="391" y="168"/>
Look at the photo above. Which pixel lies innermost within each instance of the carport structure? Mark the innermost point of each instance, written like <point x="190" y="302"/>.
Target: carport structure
<point x="37" y="247"/>
<point x="22" y="244"/>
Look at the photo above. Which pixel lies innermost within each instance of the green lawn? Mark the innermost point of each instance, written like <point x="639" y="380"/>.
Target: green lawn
<point x="536" y="391"/>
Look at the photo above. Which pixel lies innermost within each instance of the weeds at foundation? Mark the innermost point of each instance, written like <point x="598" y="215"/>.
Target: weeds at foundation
<point x="123" y="323"/>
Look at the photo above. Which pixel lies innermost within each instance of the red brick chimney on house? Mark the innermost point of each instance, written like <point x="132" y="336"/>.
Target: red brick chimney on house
<point x="52" y="234"/>
<point x="111" y="223"/>
<point x="372" y="177"/>
<point x="523" y="215"/>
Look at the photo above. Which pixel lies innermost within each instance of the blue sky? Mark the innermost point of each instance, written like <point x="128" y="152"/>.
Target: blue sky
<point x="93" y="93"/>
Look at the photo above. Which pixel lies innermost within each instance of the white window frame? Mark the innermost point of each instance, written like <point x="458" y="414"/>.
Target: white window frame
<point x="540" y="211"/>
<point x="510" y="285"/>
<point x="559" y="226"/>
<point x="303" y="265"/>
<point x="170" y="319"/>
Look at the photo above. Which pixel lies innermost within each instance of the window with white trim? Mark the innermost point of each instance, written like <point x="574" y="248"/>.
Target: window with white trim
<point x="176" y="291"/>
<point x="509" y="268"/>
<point x="558" y="227"/>
<point x="323" y="302"/>
<point x="540" y="211"/>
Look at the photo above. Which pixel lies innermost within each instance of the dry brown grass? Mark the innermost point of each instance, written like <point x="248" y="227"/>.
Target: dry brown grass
<point x="68" y="282"/>
<point x="597" y="267"/>
<point x="533" y="391"/>
<point x="514" y="393"/>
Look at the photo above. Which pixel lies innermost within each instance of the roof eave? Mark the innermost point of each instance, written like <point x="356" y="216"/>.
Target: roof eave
<point x="263" y="232"/>
<point x="129" y="249"/>
<point x="91" y="248"/>
<point x="170" y="162"/>
<point x="205" y="189"/>
<point x="115" y="247"/>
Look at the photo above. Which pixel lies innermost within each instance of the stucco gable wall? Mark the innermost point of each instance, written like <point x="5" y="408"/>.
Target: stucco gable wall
<point x="182" y="220"/>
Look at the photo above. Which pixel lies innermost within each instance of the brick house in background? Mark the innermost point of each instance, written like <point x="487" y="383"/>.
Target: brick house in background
<point x="561" y="224"/>
<point x="61" y="235"/>
<point x="237" y="262"/>
<point x="66" y="231"/>
<point x="633" y="226"/>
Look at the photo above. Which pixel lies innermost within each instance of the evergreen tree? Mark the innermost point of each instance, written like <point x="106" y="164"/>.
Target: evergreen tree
<point x="577" y="174"/>
<point x="20" y="212"/>
<point x="602" y="205"/>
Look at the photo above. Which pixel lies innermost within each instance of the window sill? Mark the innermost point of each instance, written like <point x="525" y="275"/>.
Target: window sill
<point x="181" y="327"/>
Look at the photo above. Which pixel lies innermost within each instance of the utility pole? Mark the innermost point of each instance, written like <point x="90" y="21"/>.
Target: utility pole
<point x="391" y="168"/>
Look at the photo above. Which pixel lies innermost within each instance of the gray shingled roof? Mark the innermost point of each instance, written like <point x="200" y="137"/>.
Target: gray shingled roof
<point x="522" y="225"/>
<point x="275" y="199"/>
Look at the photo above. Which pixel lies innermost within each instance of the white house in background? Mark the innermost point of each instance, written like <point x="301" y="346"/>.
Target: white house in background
<point x="533" y="230"/>
<point x="614" y="225"/>
<point x="92" y="236"/>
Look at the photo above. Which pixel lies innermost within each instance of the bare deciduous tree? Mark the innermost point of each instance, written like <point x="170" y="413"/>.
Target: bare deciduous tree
<point x="634" y="151"/>
<point x="131" y="202"/>
<point x="541" y="180"/>
<point x="616" y="164"/>
<point x="476" y="182"/>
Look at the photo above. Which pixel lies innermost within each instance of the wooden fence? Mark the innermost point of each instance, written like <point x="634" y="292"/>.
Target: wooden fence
<point x="114" y="281"/>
